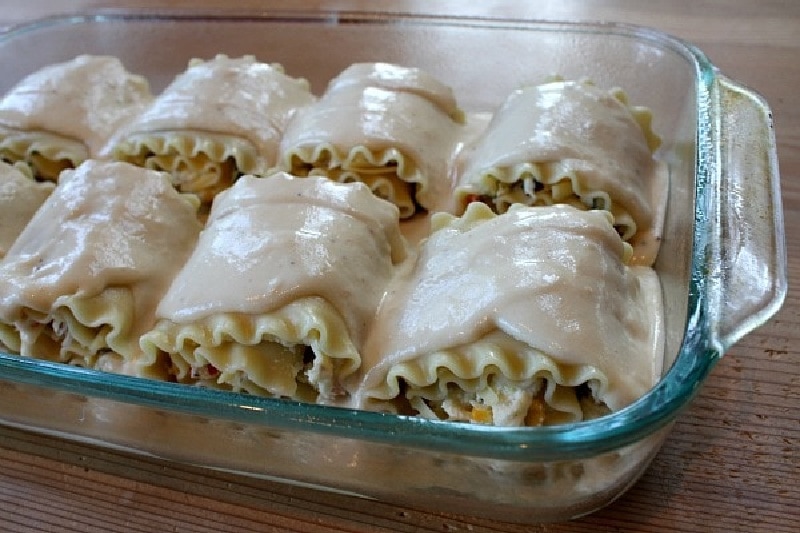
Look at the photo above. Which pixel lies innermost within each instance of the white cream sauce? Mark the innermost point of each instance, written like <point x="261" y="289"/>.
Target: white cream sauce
<point x="549" y="277"/>
<point x="86" y="99"/>
<point x="105" y="225"/>
<point x="235" y="96"/>
<point x="277" y="239"/>
<point x="397" y="78"/>
<point x="20" y="197"/>
<point x="552" y="278"/>
<point x="589" y="131"/>
<point x="381" y="119"/>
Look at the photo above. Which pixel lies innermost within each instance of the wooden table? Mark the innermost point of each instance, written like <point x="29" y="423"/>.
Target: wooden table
<point x="732" y="462"/>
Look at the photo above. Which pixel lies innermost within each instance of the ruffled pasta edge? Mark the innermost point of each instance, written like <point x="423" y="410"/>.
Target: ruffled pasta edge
<point x="491" y="367"/>
<point x="311" y="322"/>
<point x="356" y="162"/>
<point x="77" y="330"/>
<point x="47" y="154"/>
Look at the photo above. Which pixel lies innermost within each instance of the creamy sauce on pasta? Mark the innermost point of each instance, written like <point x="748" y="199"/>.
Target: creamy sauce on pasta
<point x="86" y="99"/>
<point x="105" y="225"/>
<point x="20" y="197"/>
<point x="550" y="277"/>
<point x="388" y="126"/>
<point x="398" y="78"/>
<point x="588" y="131"/>
<point x="234" y="96"/>
<point x="275" y="240"/>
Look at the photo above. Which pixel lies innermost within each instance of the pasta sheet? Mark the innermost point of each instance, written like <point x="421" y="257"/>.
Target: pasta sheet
<point x="573" y="143"/>
<point x="278" y="296"/>
<point x="526" y="318"/>
<point x="83" y="279"/>
<point x="217" y="120"/>
<point x="390" y="127"/>
<point x="65" y="113"/>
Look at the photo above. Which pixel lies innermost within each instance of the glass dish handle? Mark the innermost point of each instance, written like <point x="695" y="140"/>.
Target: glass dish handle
<point x="749" y="284"/>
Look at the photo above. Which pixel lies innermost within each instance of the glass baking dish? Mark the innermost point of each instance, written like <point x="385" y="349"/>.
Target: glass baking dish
<point x="722" y="262"/>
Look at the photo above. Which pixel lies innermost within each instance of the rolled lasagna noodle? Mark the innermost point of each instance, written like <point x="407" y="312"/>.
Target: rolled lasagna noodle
<point x="20" y="197"/>
<point x="527" y="318"/>
<point x="217" y="120"/>
<point x="573" y="143"/>
<point x="391" y="127"/>
<point x="83" y="279"/>
<point x="63" y="114"/>
<point x="305" y="264"/>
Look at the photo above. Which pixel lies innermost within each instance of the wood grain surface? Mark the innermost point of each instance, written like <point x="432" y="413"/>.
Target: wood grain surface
<point x="732" y="462"/>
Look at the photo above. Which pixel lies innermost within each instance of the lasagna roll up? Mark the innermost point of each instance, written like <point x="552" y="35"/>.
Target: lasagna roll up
<point x="63" y="114"/>
<point x="217" y="120"/>
<point x="574" y="143"/>
<point x="277" y="297"/>
<point x="527" y="318"/>
<point x="83" y="279"/>
<point x="390" y="127"/>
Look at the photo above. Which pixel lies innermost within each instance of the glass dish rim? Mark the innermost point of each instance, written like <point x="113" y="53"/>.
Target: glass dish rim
<point x="658" y="407"/>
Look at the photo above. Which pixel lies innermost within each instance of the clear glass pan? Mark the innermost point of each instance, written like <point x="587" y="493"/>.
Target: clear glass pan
<point x="722" y="262"/>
